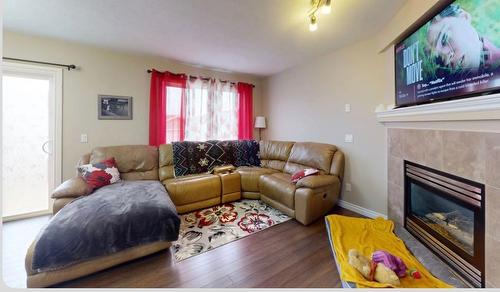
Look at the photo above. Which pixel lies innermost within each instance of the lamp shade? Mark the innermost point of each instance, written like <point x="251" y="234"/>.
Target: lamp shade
<point x="260" y="122"/>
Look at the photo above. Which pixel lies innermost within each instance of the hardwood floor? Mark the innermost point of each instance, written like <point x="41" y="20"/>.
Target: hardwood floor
<point x="285" y="255"/>
<point x="16" y="238"/>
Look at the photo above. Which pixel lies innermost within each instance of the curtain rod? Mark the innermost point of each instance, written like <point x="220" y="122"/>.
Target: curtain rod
<point x="205" y="78"/>
<point x="69" y="67"/>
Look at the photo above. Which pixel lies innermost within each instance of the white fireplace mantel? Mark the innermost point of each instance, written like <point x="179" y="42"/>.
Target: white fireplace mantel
<point x="469" y="109"/>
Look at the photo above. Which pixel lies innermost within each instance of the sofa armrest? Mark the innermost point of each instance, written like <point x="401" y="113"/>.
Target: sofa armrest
<point x="72" y="188"/>
<point x="317" y="181"/>
<point x="223" y="169"/>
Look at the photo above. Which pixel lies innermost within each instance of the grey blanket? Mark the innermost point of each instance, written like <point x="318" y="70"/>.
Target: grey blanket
<point x="113" y="218"/>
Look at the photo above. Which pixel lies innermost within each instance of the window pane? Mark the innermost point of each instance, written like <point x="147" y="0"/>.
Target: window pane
<point x="211" y="112"/>
<point x="174" y="95"/>
<point x="25" y="167"/>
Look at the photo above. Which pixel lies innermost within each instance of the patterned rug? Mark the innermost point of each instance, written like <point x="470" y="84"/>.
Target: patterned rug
<point x="209" y="228"/>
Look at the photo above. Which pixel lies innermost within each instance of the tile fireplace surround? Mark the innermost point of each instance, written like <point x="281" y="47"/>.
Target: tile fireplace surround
<point x="472" y="155"/>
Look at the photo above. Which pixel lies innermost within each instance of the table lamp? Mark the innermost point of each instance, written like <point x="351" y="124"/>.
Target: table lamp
<point x="260" y="123"/>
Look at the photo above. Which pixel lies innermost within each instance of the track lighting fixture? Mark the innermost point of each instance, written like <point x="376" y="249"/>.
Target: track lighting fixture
<point x="313" y="25"/>
<point x="325" y="6"/>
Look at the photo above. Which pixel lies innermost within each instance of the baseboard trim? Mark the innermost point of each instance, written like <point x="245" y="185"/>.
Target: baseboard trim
<point x="360" y="210"/>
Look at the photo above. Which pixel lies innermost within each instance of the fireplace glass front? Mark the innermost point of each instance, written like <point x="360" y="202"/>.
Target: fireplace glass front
<point x="444" y="216"/>
<point x="446" y="213"/>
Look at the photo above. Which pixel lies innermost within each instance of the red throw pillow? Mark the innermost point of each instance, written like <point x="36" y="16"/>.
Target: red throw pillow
<point x="100" y="174"/>
<point x="303" y="173"/>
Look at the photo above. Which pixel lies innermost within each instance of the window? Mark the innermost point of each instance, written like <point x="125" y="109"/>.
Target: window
<point x="210" y="111"/>
<point x="173" y="105"/>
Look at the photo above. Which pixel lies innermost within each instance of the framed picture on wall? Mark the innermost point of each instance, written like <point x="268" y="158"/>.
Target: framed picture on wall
<point x="113" y="107"/>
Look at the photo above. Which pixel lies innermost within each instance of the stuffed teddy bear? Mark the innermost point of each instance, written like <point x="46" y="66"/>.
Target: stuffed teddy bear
<point x="372" y="270"/>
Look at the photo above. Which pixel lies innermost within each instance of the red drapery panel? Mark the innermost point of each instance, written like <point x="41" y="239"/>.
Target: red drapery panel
<point x="158" y="104"/>
<point x="245" y="114"/>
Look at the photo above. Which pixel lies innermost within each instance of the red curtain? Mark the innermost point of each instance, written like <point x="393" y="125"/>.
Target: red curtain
<point x="245" y="114"/>
<point x="158" y="104"/>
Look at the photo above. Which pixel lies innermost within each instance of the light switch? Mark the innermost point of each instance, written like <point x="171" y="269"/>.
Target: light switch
<point x="83" y="138"/>
<point x="347" y="107"/>
<point x="348" y="138"/>
<point x="348" y="187"/>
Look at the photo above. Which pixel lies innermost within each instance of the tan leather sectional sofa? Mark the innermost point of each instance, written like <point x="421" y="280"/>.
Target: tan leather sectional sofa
<point x="307" y="200"/>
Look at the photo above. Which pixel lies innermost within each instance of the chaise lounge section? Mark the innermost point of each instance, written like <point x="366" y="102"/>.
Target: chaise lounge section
<point x="117" y="223"/>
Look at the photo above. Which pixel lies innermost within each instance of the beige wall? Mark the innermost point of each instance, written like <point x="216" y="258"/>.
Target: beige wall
<point x="103" y="72"/>
<point x="306" y="103"/>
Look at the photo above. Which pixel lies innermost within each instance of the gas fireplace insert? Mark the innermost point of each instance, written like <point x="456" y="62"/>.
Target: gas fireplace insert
<point x="446" y="213"/>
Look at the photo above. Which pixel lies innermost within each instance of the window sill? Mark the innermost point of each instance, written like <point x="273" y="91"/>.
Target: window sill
<point x="470" y="109"/>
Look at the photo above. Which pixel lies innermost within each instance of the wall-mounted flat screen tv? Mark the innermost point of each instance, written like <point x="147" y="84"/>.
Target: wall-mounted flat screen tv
<point x="455" y="54"/>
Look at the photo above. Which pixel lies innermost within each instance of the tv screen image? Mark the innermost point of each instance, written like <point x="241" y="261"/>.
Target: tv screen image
<point x="455" y="54"/>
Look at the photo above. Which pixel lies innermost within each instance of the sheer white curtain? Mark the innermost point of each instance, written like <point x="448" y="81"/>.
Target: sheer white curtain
<point x="211" y="110"/>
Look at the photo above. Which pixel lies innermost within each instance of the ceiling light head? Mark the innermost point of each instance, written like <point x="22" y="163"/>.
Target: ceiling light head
<point x="313" y="24"/>
<point x="327" y="7"/>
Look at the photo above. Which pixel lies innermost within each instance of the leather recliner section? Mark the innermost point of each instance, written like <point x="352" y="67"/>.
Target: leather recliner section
<point x="278" y="187"/>
<point x="312" y="203"/>
<point x="307" y="154"/>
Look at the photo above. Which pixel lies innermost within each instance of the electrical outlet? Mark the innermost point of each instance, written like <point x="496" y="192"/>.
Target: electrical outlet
<point x="348" y="138"/>
<point x="347" y="107"/>
<point x="348" y="187"/>
<point x="83" y="138"/>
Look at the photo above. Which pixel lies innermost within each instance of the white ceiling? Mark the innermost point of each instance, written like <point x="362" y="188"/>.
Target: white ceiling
<point x="259" y="37"/>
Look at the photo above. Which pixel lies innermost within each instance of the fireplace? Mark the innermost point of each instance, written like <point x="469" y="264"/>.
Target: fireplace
<point x="446" y="213"/>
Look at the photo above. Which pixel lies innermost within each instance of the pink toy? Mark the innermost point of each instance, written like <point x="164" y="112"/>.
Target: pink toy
<point x="392" y="262"/>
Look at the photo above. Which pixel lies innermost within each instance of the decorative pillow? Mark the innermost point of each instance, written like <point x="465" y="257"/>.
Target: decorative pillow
<point x="100" y="174"/>
<point x="303" y="173"/>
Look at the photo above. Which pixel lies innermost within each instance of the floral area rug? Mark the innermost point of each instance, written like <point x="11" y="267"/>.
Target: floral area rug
<point x="206" y="229"/>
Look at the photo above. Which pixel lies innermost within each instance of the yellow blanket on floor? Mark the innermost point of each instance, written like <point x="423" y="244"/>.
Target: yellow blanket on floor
<point x="367" y="236"/>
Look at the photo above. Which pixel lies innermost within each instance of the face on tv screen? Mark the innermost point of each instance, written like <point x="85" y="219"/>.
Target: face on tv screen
<point x="455" y="54"/>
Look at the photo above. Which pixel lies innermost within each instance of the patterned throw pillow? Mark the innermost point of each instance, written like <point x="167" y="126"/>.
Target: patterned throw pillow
<point x="100" y="174"/>
<point x="303" y="173"/>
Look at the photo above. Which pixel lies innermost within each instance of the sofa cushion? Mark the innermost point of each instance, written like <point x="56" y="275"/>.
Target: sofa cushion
<point x="135" y="162"/>
<point x="277" y="186"/>
<point x="310" y="155"/>
<point x="250" y="177"/>
<point x="166" y="161"/>
<point x="193" y="188"/>
<point x="274" y="154"/>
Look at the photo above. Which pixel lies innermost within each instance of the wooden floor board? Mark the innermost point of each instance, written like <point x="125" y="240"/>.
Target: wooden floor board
<point x="285" y="255"/>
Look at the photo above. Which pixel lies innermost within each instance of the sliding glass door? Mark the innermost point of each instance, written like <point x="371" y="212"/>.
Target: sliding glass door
<point x="31" y="138"/>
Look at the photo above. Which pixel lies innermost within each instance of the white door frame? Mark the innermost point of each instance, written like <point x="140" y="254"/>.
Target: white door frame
<point x="55" y="121"/>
